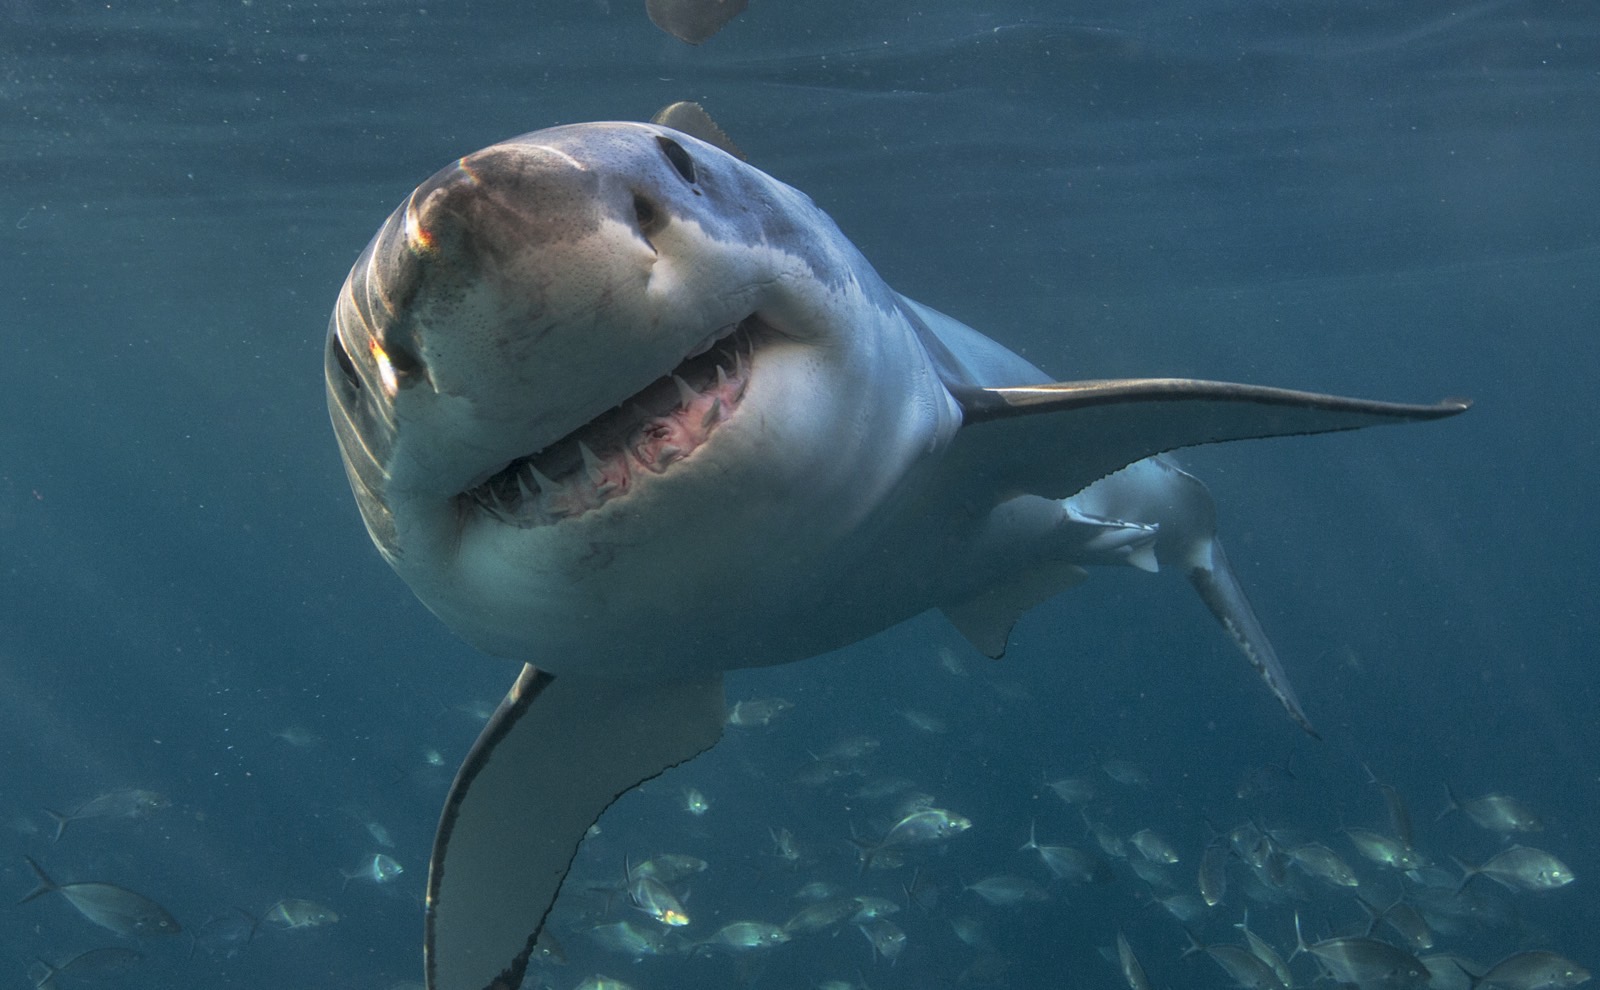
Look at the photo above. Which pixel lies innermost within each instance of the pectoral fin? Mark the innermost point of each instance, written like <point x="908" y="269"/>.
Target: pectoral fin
<point x="1055" y="439"/>
<point x="557" y="753"/>
<point x="986" y="620"/>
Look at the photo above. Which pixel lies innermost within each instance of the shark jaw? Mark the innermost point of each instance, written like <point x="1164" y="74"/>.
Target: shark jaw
<point x="643" y="436"/>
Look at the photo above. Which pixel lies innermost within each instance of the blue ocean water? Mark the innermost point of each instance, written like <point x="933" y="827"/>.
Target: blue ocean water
<point x="1386" y="200"/>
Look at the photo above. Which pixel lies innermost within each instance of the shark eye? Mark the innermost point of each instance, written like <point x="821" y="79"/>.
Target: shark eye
<point x="336" y="345"/>
<point x="647" y="216"/>
<point x="678" y="157"/>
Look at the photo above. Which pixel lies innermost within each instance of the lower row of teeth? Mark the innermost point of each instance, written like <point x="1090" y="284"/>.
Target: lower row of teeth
<point x="654" y="444"/>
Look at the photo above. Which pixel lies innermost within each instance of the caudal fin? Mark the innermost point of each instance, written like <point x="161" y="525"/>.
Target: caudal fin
<point x="46" y="885"/>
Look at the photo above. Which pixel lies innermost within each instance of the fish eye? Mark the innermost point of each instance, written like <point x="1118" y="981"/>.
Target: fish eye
<point x="678" y="157"/>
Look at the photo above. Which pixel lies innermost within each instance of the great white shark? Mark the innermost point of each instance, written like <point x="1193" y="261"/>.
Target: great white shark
<point x="620" y="406"/>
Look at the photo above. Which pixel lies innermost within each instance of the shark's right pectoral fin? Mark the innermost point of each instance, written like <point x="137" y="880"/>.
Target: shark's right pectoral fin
<point x="557" y="753"/>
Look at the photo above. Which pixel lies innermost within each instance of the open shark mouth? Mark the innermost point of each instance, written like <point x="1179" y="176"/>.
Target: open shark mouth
<point x="643" y="435"/>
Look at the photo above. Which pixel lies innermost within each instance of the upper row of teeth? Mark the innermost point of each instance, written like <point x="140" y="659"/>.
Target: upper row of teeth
<point x="593" y="466"/>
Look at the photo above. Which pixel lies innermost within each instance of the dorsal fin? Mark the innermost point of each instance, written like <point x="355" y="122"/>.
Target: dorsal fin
<point x="691" y="118"/>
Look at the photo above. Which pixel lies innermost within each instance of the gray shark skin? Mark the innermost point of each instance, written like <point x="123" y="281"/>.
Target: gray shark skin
<point x="628" y="410"/>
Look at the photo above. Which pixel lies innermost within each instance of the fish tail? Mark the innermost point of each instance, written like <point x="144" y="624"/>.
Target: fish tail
<point x="1452" y="802"/>
<point x="1468" y="871"/>
<point x="1374" y="914"/>
<point x="255" y="923"/>
<point x="1299" y="940"/>
<point x="1033" y="841"/>
<point x="866" y="850"/>
<point x="48" y="980"/>
<point x="46" y="885"/>
<point x="62" y="821"/>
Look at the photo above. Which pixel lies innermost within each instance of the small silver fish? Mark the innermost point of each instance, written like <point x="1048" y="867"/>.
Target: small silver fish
<point x="1451" y="972"/>
<point x="1385" y="851"/>
<point x="1073" y="790"/>
<point x="379" y="834"/>
<point x="1132" y="972"/>
<point x="92" y="966"/>
<point x="868" y="906"/>
<point x="783" y="845"/>
<point x="124" y="803"/>
<point x="1262" y="950"/>
<point x="1406" y="921"/>
<point x="1187" y="908"/>
<point x="653" y="898"/>
<point x="1534" y="970"/>
<point x="817" y="890"/>
<point x="1521" y="867"/>
<point x="924" y="722"/>
<point x="292" y="913"/>
<point x="951" y="662"/>
<point x="757" y="712"/>
<point x="670" y="867"/>
<point x="1005" y="890"/>
<point x="1316" y="860"/>
<point x="1125" y="772"/>
<point x="850" y="748"/>
<point x="1365" y="961"/>
<point x="820" y="916"/>
<point x="1153" y="847"/>
<point x="627" y="939"/>
<point x="745" y="936"/>
<point x="694" y="802"/>
<point x="886" y="938"/>
<point x="1213" y="873"/>
<point x="1498" y="813"/>
<point x="1240" y="964"/>
<point x="297" y="736"/>
<point x="116" y="909"/>
<point x="1068" y="863"/>
<point x="379" y="868"/>
<point x="920" y="828"/>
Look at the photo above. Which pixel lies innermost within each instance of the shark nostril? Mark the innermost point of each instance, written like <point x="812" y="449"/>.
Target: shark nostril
<point x="405" y="363"/>
<point x="679" y="158"/>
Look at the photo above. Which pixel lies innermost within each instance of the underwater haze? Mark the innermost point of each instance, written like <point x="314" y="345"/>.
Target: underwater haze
<point x="218" y="700"/>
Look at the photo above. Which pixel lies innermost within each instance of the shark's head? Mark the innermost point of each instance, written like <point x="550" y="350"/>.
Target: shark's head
<point x="567" y="358"/>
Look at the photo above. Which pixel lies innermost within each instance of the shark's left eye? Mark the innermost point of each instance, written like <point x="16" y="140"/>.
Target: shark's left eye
<point x="678" y="157"/>
<point x="342" y="356"/>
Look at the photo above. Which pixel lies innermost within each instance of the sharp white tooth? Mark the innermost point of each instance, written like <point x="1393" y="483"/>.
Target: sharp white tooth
<point x="528" y="494"/>
<point x="545" y="484"/>
<point x="740" y="366"/>
<point x="713" y="414"/>
<point x="591" y="464"/>
<point x="686" y="393"/>
<point x="722" y="378"/>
